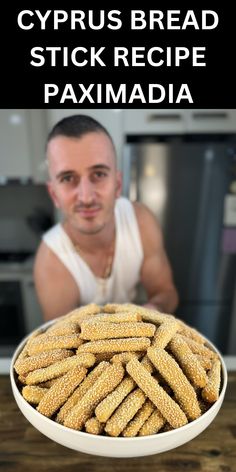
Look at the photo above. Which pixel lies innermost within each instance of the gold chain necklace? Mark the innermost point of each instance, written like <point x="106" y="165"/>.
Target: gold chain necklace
<point x="108" y="266"/>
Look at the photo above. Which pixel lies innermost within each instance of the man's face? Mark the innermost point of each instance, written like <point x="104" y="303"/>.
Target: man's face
<point x="84" y="181"/>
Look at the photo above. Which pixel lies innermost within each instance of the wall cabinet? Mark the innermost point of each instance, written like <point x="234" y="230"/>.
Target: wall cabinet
<point x="174" y="121"/>
<point x="15" y="159"/>
<point x="210" y="121"/>
<point x="148" y="121"/>
<point x="22" y="141"/>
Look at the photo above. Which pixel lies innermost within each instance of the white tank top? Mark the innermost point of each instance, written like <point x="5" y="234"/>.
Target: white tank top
<point x="120" y="287"/>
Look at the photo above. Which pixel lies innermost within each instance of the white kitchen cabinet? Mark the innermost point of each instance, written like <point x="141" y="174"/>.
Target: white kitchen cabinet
<point x="15" y="156"/>
<point x="110" y="119"/>
<point x="22" y="142"/>
<point x="154" y="121"/>
<point x="211" y="121"/>
<point x="174" y="121"/>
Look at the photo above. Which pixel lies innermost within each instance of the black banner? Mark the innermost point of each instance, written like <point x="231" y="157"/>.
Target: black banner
<point x="166" y="56"/>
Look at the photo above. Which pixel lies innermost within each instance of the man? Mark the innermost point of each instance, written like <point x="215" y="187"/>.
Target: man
<point x="105" y="244"/>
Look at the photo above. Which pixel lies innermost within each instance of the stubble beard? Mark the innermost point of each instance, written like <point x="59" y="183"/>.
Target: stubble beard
<point x="90" y="231"/>
<point x="88" y="228"/>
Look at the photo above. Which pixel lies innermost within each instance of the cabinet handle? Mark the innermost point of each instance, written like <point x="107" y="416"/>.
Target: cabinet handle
<point x="164" y="117"/>
<point x="210" y="116"/>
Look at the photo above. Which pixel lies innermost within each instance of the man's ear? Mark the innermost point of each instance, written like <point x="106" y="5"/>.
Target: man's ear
<point x="118" y="183"/>
<point x="52" y="194"/>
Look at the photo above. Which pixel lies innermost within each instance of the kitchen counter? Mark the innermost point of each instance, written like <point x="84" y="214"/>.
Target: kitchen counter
<point x="13" y="269"/>
<point x="24" y="449"/>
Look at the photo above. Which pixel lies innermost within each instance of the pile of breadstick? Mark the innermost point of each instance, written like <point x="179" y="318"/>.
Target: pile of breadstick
<point x="119" y="370"/>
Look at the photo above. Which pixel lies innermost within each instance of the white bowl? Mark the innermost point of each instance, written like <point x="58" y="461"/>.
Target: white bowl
<point x="114" y="447"/>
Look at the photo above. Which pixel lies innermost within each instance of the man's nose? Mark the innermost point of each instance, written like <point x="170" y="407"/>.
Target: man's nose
<point x="85" y="190"/>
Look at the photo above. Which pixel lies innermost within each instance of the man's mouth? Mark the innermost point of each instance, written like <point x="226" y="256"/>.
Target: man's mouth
<point x="88" y="212"/>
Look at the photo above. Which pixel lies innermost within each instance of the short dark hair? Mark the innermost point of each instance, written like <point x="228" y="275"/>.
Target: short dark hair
<point x="76" y="126"/>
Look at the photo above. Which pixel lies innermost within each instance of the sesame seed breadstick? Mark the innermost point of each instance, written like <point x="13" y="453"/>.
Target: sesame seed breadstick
<point x="46" y="343"/>
<point x="22" y="379"/>
<point x="115" y="345"/>
<point x="157" y="318"/>
<point x="24" y="353"/>
<point x="190" y="332"/>
<point x="46" y="384"/>
<point x="35" y="334"/>
<point x="120" y="308"/>
<point x="153" y="424"/>
<point x="161" y="338"/>
<point x="125" y="412"/>
<point x="105" y="409"/>
<point x="147" y="314"/>
<point x="166" y="405"/>
<point x="198" y="348"/>
<point x="107" y="406"/>
<point x="154" y="316"/>
<point x="93" y="426"/>
<point x="116" y="307"/>
<point x="188" y="361"/>
<point x="60" y="391"/>
<point x="22" y="356"/>
<point x="83" y="312"/>
<point x="125" y="357"/>
<point x="174" y="376"/>
<point x="63" y="329"/>
<point x="138" y="421"/>
<point x="107" y="381"/>
<point x="33" y="394"/>
<point x="44" y="359"/>
<point x="210" y="392"/>
<point x="165" y="333"/>
<point x="147" y="364"/>
<point x="205" y="362"/>
<point x="59" y="368"/>
<point x="108" y="330"/>
<point x="114" y="317"/>
<point x="103" y="356"/>
<point x="80" y="391"/>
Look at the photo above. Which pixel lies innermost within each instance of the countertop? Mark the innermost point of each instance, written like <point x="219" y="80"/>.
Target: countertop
<point x="24" y="449"/>
<point x="13" y="269"/>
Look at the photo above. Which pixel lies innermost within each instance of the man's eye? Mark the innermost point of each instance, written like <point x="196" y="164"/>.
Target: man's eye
<point x="100" y="174"/>
<point x="67" y="178"/>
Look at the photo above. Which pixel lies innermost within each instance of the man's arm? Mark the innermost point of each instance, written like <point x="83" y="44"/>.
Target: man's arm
<point x="56" y="289"/>
<point x="156" y="274"/>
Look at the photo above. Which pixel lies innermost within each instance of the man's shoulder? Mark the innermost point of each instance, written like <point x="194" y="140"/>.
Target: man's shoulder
<point x="149" y="227"/>
<point x="142" y="212"/>
<point x="55" y="287"/>
<point x="125" y="204"/>
<point x="46" y="259"/>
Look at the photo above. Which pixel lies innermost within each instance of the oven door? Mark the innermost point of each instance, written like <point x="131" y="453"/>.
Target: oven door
<point x="12" y="323"/>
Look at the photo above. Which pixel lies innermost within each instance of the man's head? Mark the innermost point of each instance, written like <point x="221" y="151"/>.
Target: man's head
<point x="84" y="180"/>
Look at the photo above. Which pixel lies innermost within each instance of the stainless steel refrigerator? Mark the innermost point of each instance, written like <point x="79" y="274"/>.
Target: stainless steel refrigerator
<point x="185" y="181"/>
